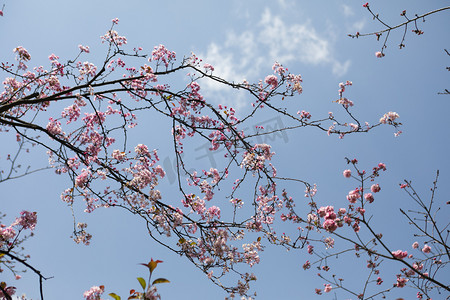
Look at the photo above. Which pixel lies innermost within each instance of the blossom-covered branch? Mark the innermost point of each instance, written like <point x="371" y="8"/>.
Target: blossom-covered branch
<point x="422" y="269"/>
<point x="83" y="115"/>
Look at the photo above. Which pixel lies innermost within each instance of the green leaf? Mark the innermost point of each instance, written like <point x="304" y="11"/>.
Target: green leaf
<point x="114" y="296"/>
<point x="160" y="280"/>
<point x="142" y="282"/>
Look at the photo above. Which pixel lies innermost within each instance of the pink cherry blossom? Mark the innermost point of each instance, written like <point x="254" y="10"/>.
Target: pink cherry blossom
<point x="208" y="67"/>
<point x="369" y="197"/>
<point x="327" y="288"/>
<point x="354" y="127"/>
<point x="426" y="249"/>
<point x="54" y="127"/>
<point x="27" y="220"/>
<point x="415" y="245"/>
<point x="345" y="102"/>
<point x="401" y="281"/>
<point x="329" y="225"/>
<point x="382" y="166"/>
<point x="271" y="80"/>
<point x="375" y="188"/>
<point x="84" y="48"/>
<point x="347" y="173"/>
<point x="353" y="195"/>
<point x="399" y="254"/>
<point x="113" y="36"/>
<point x="161" y="54"/>
<point x="22" y="53"/>
<point x="7" y="233"/>
<point x="389" y="117"/>
<point x="82" y="179"/>
<point x="214" y="212"/>
<point x="94" y="293"/>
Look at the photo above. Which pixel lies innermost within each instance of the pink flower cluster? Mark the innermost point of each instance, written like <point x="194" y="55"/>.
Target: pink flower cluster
<point x="255" y="159"/>
<point x="27" y="220"/>
<point x="22" y="53"/>
<point x="389" y="118"/>
<point x="84" y="48"/>
<point x="399" y="254"/>
<point x="347" y="173"/>
<point x="345" y="102"/>
<point x="94" y="293"/>
<point x="342" y="86"/>
<point x="6" y="233"/>
<point x="83" y="178"/>
<point x="251" y="255"/>
<point x="72" y="113"/>
<point x="375" y="188"/>
<point x="293" y="82"/>
<point x="304" y="114"/>
<point x="426" y="249"/>
<point x="401" y="281"/>
<point x="54" y="127"/>
<point x="369" y="197"/>
<point x="213" y="212"/>
<point x="208" y="67"/>
<point x="311" y="191"/>
<point x="353" y="195"/>
<point x="271" y="80"/>
<point x="160" y="53"/>
<point x="81" y="236"/>
<point x="86" y="68"/>
<point x="331" y="221"/>
<point x="113" y="37"/>
<point x="342" y="100"/>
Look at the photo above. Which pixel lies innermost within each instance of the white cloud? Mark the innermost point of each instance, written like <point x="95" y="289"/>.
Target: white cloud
<point x="229" y="67"/>
<point x="245" y="55"/>
<point x="298" y="42"/>
<point x="347" y="10"/>
<point x="285" y="3"/>
<point x="358" y="26"/>
<point x="339" y="68"/>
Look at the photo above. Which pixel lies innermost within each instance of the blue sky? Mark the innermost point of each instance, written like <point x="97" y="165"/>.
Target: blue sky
<point x="242" y="40"/>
